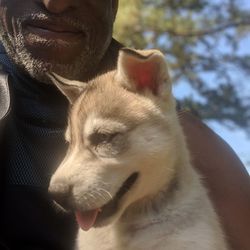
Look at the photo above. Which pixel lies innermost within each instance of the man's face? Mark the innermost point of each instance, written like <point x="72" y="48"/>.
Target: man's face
<point x="69" y="37"/>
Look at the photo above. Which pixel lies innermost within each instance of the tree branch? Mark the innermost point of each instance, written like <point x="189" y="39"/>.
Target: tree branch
<point x="232" y="24"/>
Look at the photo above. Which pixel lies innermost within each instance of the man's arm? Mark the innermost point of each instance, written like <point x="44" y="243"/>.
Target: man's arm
<point x="4" y="94"/>
<point x="225" y="177"/>
<point x="4" y="109"/>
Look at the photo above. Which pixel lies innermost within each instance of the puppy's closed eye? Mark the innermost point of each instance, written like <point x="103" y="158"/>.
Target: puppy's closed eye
<point x="102" y="137"/>
<point x="108" y="144"/>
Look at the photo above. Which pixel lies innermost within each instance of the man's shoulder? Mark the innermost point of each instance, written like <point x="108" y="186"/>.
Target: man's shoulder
<point x="4" y="88"/>
<point x="4" y="94"/>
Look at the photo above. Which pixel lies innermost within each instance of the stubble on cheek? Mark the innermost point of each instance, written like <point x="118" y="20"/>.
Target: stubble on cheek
<point x="13" y="39"/>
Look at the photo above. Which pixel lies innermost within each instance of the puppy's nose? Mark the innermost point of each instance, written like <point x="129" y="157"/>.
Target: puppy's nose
<point x="62" y="194"/>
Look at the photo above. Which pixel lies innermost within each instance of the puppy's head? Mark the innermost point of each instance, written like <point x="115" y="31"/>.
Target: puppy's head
<point x="121" y="134"/>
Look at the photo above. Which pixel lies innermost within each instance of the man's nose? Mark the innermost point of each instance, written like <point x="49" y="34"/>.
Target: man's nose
<point x="59" y="6"/>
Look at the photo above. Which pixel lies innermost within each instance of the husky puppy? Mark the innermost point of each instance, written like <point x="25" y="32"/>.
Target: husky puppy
<point x="127" y="174"/>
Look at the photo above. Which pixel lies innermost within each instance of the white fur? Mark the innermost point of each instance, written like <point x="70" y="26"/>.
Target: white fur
<point x="167" y="208"/>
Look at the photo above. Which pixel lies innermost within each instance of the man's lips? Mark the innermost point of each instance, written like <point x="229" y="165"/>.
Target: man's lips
<point x="55" y="31"/>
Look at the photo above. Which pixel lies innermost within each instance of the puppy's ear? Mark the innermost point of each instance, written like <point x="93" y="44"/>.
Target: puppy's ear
<point x="144" y="70"/>
<point x="71" y="89"/>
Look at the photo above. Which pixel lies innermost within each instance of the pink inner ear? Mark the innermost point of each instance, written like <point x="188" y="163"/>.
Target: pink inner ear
<point x="144" y="75"/>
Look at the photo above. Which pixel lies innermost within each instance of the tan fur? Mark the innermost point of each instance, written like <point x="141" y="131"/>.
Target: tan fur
<point x="167" y="207"/>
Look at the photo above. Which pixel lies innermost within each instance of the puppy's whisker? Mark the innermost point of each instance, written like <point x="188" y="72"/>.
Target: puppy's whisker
<point x="88" y="204"/>
<point x="93" y="197"/>
<point x="105" y="184"/>
<point x="106" y="192"/>
<point x="102" y="197"/>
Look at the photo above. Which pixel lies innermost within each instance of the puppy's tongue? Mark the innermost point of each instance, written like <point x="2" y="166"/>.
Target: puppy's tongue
<point x="86" y="219"/>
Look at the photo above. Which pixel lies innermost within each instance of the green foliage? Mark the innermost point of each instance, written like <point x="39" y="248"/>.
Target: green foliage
<point x="201" y="40"/>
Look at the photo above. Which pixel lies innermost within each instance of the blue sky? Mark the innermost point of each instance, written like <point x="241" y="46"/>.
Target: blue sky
<point x="236" y="138"/>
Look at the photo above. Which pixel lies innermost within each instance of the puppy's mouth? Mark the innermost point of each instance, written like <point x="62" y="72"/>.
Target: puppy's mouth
<point x="88" y="219"/>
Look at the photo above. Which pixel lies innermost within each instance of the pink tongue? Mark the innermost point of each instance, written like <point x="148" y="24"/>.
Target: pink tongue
<point x="86" y="219"/>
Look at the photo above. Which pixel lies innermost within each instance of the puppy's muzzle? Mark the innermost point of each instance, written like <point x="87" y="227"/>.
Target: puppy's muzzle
<point x="61" y="193"/>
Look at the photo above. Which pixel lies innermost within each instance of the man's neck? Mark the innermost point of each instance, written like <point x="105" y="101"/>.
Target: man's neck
<point x="109" y="61"/>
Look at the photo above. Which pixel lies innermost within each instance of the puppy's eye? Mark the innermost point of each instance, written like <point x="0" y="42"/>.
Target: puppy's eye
<point x="102" y="138"/>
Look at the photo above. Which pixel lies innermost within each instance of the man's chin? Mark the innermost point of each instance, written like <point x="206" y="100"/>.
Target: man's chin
<point x="37" y="61"/>
<point x="37" y="66"/>
<point x="55" y="51"/>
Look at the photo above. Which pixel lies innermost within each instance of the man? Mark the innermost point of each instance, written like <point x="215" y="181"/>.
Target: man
<point x="74" y="39"/>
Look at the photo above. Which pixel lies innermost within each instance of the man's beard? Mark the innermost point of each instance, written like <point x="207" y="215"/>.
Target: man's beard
<point x="87" y="60"/>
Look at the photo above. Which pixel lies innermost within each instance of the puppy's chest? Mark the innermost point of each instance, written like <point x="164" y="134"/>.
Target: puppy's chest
<point x="135" y="237"/>
<point x="141" y="237"/>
